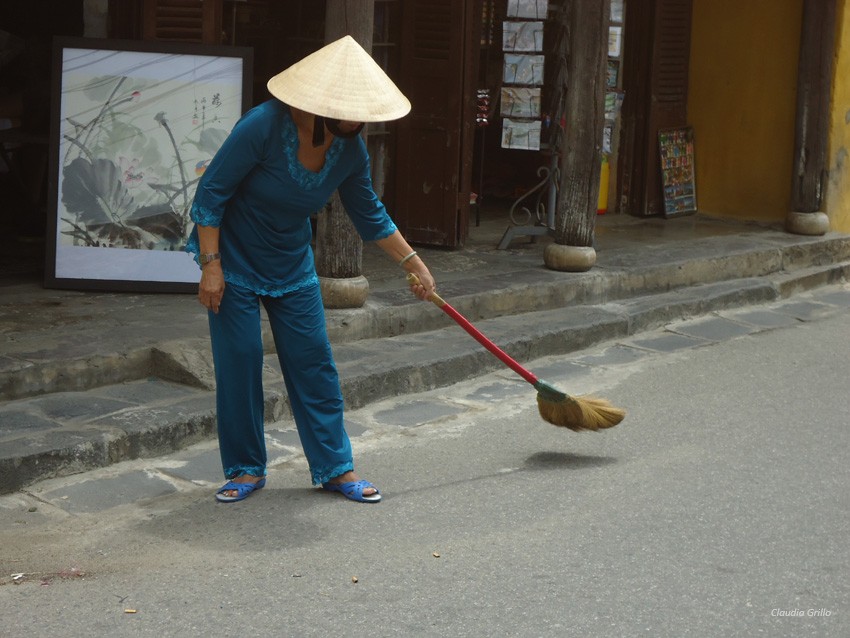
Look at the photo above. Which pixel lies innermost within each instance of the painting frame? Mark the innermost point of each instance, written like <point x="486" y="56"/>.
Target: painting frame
<point x="119" y="189"/>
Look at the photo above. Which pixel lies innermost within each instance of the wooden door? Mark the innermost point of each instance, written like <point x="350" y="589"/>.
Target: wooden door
<point x="433" y="171"/>
<point x="182" y="20"/>
<point x="655" y="71"/>
<point x="176" y="20"/>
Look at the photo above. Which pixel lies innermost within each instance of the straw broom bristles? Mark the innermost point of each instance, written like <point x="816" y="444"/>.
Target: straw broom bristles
<point x="579" y="413"/>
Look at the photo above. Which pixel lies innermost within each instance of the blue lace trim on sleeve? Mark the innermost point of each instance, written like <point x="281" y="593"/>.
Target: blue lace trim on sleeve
<point x="388" y="230"/>
<point x="192" y="246"/>
<point x="308" y="180"/>
<point x="204" y="216"/>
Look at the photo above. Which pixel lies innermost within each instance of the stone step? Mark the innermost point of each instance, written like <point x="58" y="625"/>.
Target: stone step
<point x="791" y="262"/>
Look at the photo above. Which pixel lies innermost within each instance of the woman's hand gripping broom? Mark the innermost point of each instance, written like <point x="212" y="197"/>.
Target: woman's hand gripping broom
<point x="556" y="407"/>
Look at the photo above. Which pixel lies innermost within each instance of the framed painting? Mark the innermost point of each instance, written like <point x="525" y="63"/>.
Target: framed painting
<point x="133" y="126"/>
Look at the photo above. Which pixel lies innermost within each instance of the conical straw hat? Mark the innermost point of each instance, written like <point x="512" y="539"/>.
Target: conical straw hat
<point x="343" y="82"/>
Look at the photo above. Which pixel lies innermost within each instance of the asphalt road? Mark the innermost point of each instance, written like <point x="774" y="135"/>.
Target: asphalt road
<point x="718" y="508"/>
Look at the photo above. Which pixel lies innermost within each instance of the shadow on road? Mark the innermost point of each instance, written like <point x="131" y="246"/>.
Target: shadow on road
<point x="560" y="460"/>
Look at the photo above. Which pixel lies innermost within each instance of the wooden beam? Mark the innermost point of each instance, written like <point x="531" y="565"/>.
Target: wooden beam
<point x="814" y="86"/>
<point x="339" y="249"/>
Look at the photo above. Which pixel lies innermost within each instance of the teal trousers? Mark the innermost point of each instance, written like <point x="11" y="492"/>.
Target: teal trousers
<point x="297" y="320"/>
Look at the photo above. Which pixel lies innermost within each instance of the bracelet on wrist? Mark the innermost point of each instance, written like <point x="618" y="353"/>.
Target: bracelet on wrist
<point x="407" y="258"/>
<point x="207" y="258"/>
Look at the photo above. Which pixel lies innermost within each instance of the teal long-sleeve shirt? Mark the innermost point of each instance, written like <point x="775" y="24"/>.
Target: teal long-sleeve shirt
<point x="261" y="198"/>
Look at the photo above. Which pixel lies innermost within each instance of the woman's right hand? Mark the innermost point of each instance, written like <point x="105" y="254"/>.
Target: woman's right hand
<point x="421" y="281"/>
<point x="211" y="288"/>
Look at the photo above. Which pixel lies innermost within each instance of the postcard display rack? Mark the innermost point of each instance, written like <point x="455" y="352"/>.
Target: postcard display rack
<point x="522" y="120"/>
<point x="613" y="79"/>
<point x="613" y="102"/>
<point x="522" y="78"/>
<point x="676" y="149"/>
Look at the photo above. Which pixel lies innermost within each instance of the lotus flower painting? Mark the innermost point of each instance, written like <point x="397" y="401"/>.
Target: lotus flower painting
<point x="136" y="130"/>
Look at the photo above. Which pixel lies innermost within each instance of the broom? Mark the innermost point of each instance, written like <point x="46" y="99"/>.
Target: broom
<point x="556" y="407"/>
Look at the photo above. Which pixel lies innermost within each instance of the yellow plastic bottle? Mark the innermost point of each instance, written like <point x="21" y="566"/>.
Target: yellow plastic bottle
<point x="604" y="176"/>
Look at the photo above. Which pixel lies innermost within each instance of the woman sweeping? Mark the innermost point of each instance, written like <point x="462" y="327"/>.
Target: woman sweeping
<point x="281" y="163"/>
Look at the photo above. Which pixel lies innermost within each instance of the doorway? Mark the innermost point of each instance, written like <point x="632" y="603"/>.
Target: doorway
<point x="655" y="81"/>
<point x="433" y="162"/>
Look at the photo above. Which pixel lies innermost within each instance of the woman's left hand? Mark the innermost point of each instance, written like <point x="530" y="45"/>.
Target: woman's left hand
<point x="211" y="287"/>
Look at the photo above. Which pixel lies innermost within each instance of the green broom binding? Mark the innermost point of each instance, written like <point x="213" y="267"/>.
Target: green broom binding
<point x="575" y="413"/>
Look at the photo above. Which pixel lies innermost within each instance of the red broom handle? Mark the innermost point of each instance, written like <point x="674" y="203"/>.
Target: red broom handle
<point x="480" y="338"/>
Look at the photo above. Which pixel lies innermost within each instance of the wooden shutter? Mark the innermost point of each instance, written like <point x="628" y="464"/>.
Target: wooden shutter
<point x="182" y="20"/>
<point x="431" y="175"/>
<point x="656" y="61"/>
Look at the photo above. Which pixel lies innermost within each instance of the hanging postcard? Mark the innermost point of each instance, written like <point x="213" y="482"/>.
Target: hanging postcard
<point x="612" y="77"/>
<point x="530" y="9"/>
<point x="522" y="36"/>
<point x="520" y="102"/>
<point x="523" y="69"/>
<point x="617" y="10"/>
<point x="615" y="41"/>
<point x="607" y="138"/>
<point x="521" y="135"/>
<point x="613" y="103"/>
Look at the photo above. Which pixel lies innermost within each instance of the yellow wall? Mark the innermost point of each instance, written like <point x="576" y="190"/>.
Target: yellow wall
<point x="741" y="103"/>
<point x="838" y="190"/>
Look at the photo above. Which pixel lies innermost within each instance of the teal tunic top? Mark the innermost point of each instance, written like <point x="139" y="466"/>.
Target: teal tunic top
<point x="261" y="197"/>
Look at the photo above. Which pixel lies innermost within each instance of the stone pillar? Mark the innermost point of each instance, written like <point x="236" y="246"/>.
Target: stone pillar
<point x="811" y="136"/>
<point x="339" y="249"/>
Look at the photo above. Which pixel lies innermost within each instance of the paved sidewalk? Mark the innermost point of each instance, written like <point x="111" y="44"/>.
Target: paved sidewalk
<point x="196" y="469"/>
<point x="90" y="379"/>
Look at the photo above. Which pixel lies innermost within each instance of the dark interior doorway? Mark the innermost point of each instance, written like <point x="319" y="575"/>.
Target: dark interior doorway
<point x="439" y="62"/>
<point x="655" y="81"/>
<point x="26" y="35"/>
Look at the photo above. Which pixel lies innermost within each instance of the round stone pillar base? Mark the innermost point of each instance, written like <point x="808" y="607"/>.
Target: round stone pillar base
<point x="807" y="223"/>
<point x="349" y="292"/>
<point x="569" y="258"/>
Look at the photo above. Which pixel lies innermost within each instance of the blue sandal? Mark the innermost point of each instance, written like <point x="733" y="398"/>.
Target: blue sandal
<point x="354" y="491"/>
<point x="243" y="490"/>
